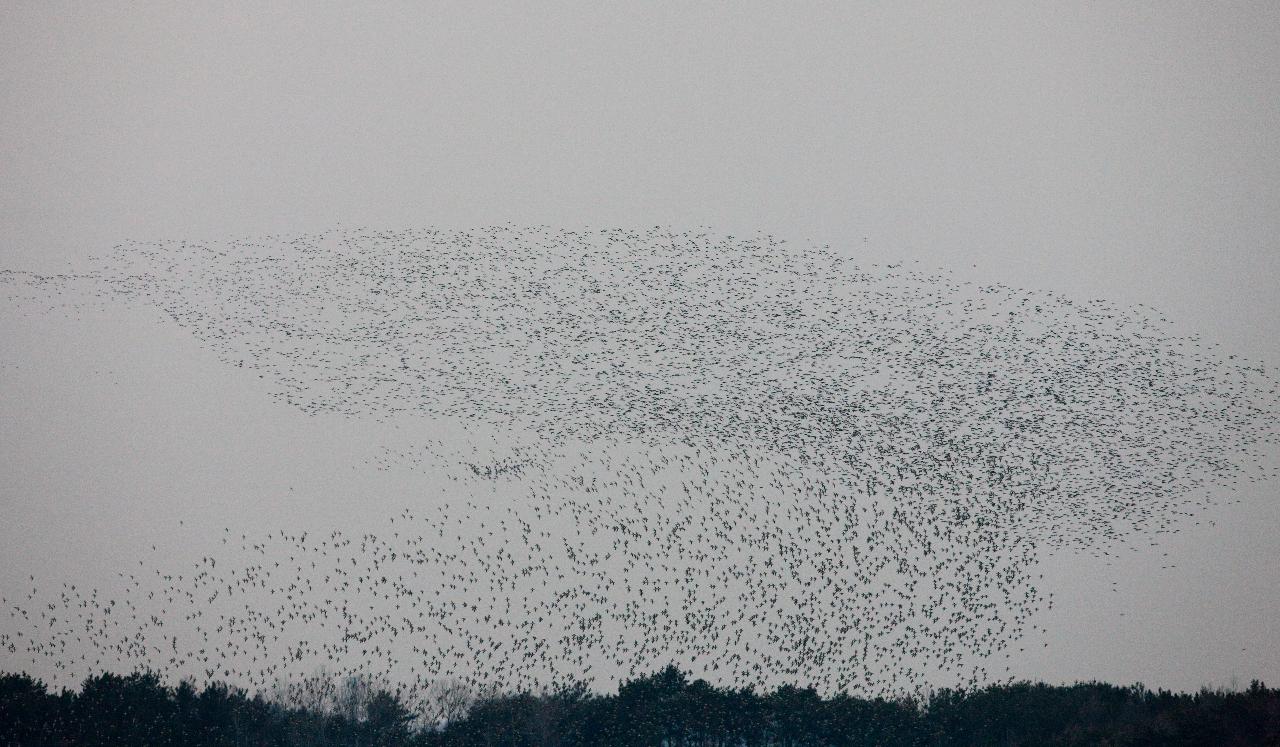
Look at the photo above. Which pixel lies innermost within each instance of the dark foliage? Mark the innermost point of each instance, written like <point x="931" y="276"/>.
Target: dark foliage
<point x="662" y="709"/>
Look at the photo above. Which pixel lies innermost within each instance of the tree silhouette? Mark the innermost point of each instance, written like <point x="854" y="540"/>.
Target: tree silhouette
<point x="664" y="708"/>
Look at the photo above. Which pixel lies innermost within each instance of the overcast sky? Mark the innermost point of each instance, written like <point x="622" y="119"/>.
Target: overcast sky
<point x="1128" y="151"/>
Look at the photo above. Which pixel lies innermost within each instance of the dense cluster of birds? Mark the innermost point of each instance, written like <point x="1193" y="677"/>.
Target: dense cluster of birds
<point x="755" y="460"/>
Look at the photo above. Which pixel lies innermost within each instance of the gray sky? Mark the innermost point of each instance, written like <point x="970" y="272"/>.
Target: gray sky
<point x="1120" y="151"/>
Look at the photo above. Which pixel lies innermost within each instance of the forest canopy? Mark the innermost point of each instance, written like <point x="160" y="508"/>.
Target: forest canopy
<point x="665" y="708"/>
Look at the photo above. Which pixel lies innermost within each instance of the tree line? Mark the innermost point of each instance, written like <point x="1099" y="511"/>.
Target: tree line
<point x="666" y="708"/>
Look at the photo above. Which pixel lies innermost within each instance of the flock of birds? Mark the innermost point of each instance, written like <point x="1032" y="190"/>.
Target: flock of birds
<point x="759" y="461"/>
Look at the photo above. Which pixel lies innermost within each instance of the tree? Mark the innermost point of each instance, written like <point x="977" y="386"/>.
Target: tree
<point x="26" y="709"/>
<point x="387" y="719"/>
